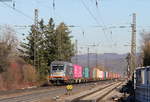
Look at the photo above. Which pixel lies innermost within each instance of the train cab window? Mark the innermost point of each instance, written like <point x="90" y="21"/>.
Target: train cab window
<point x="57" y="67"/>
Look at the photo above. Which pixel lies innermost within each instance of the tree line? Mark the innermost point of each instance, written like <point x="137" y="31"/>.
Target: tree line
<point x="8" y="45"/>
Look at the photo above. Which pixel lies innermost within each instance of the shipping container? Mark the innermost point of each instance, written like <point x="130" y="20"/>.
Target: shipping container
<point x="113" y="75"/>
<point x="86" y="72"/>
<point x="91" y="74"/>
<point x="77" y="71"/>
<point x="105" y="75"/>
<point x="97" y="74"/>
<point x="110" y="75"/>
<point x="94" y="76"/>
<point x="100" y="74"/>
<point x="117" y="75"/>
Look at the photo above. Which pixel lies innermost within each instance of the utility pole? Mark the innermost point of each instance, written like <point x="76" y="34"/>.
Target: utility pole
<point x="88" y="50"/>
<point x="76" y="51"/>
<point x="89" y="54"/>
<point x="96" y="59"/>
<point x="36" y="17"/>
<point x="35" y="34"/>
<point x="96" y="54"/>
<point x="133" y="45"/>
<point x="59" y="40"/>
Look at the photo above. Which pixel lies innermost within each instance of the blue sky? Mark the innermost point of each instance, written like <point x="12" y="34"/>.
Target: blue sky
<point x="73" y="12"/>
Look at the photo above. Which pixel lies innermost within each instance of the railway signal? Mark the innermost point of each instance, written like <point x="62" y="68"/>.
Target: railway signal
<point x="69" y="89"/>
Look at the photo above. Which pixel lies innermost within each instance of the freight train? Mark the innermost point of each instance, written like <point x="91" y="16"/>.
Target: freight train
<point x="65" y="72"/>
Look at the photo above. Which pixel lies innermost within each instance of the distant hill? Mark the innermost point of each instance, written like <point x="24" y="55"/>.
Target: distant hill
<point x="112" y="61"/>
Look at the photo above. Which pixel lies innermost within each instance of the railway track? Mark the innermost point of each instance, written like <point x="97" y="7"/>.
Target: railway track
<point x="94" y="95"/>
<point x="32" y="97"/>
<point x="49" y="87"/>
<point x="36" y="96"/>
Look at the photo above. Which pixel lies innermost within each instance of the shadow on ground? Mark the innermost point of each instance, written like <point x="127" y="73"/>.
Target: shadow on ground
<point x="128" y="91"/>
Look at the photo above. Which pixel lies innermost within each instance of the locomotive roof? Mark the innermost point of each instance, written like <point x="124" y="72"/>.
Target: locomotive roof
<point x="61" y="62"/>
<point x="142" y="68"/>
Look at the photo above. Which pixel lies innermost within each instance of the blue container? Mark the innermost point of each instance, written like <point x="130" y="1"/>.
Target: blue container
<point x="86" y="72"/>
<point x="105" y="75"/>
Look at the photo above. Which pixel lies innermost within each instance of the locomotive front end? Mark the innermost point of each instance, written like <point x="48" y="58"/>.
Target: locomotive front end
<point x="57" y="73"/>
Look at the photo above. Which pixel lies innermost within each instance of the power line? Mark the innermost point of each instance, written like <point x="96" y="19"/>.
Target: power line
<point x="27" y="16"/>
<point x="90" y="12"/>
<point x="96" y="20"/>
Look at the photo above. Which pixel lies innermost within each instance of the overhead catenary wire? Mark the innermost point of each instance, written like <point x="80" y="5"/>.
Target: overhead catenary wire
<point x="102" y="21"/>
<point x="18" y="11"/>
<point x="96" y="20"/>
<point x="90" y="12"/>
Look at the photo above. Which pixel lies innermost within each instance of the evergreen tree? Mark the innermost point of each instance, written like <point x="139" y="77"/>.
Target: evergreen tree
<point x="31" y="50"/>
<point x="45" y="44"/>
<point x="65" y="48"/>
<point x="50" y="42"/>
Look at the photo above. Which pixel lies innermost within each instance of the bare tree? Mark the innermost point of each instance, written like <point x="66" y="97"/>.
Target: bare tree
<point x="145" y="48"/>
<point x="9" y="37"/>
<point x="8" y="45"/>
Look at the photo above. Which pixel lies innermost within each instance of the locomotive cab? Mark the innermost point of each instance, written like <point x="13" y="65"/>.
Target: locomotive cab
<point x="59" y="72"/>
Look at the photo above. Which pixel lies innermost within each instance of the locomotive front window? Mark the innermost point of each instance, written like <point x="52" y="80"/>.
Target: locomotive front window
<point x="55" y="68"/>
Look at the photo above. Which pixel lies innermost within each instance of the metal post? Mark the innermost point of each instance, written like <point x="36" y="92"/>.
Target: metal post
<point x="133" y="45"/>
<point x="76" y="51"/>
<point x="96" y="59"/>
<point x="35" y="34"/>
<point x="88" y="57"/>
